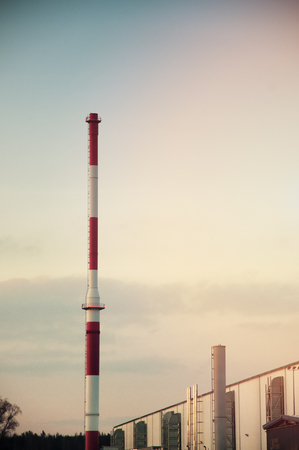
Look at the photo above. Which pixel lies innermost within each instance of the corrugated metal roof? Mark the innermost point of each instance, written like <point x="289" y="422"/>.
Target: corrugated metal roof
<point x="290" y="420"/>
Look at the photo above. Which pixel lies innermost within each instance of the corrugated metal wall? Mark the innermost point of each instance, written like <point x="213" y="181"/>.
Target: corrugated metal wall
<point x="250" y="406"/>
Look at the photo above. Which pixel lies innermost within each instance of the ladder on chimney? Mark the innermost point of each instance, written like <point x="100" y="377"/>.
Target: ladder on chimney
<point x="212" y="400"/>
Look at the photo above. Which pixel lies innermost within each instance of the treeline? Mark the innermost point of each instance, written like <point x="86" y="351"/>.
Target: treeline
<point x="33" y="441"/>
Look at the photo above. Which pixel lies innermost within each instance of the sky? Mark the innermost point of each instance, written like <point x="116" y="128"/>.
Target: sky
<point x="198" y="199"/>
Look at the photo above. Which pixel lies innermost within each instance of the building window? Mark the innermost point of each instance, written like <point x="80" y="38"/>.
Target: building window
<point x="119" y="439"/>
<point x="140" y="435"/>
<point x="230" y="424"/>
<point x="274" y="398"/>
<point x="171" y="431"/>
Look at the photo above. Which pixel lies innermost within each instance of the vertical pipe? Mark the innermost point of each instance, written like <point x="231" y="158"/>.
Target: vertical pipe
<point x="92" y="305"/>
<point x="189" y="418"/>
<point x="219" y="397"/>
<point x="195" y="416"/>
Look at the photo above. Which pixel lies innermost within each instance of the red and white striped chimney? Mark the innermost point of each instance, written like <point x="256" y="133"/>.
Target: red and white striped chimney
<point x="92" y="305"/>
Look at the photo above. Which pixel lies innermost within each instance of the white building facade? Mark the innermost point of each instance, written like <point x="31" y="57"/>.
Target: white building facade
<point x="189" y="425"/>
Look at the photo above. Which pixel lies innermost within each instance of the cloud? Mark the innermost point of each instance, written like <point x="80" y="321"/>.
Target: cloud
<point x="42" y="325"/>
<point x="255" y="299"/>
<point x="11" y="248"/>
<point x="144" y="364"/>
<point x="139" y="303"/>
<point x="51" y="307"/>
<point x="154" y="335"/>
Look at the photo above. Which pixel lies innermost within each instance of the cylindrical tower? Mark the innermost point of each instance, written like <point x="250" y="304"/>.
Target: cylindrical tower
<point x="219" y="397"/>
<point x="92" y="305"/>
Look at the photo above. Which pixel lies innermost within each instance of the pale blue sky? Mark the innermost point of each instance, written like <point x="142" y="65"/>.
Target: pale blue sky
<point x="198" y="201"/>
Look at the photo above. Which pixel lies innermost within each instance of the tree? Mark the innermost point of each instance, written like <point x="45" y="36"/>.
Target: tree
<point x="8" y="414"/>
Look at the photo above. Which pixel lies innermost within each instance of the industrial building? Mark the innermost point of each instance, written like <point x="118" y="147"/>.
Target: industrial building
<point x="253" y="408"/>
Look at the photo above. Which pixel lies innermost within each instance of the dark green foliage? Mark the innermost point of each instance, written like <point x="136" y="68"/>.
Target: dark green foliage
<point x="104" y="440"/>
<point x="33" y="441"/>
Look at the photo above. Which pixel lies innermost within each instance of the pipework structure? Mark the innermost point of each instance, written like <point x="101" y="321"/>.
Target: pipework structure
<point x="92" y="305"/>
<point x="220" y="417"/>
